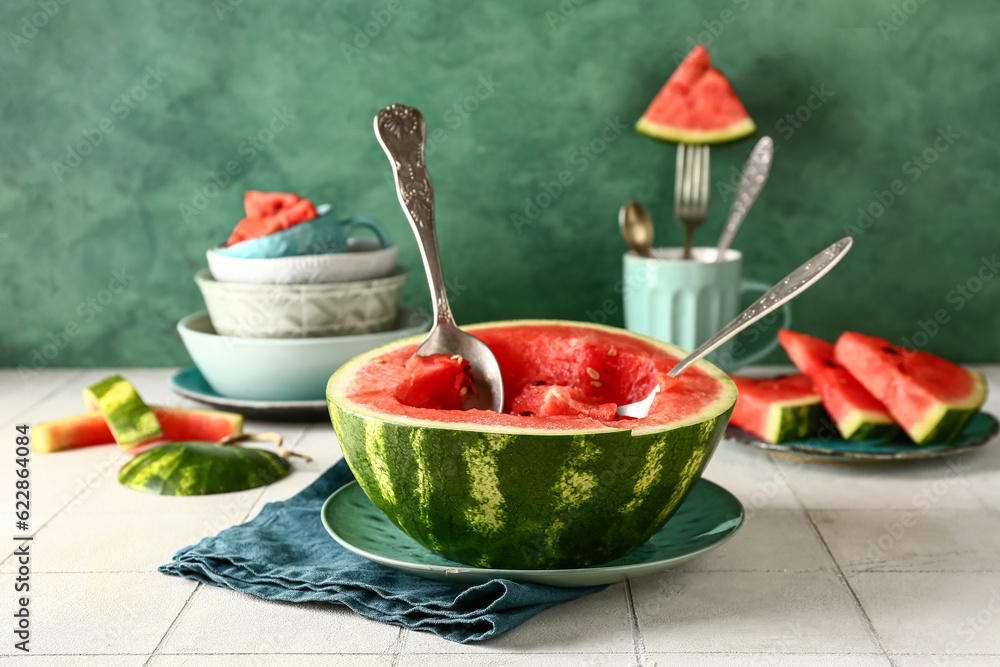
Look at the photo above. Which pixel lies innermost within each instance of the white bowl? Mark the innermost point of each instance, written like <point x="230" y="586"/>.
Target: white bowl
<point x="246" y="310"/>
<point x="363" y="260"/>
<point x="291" y="369"/>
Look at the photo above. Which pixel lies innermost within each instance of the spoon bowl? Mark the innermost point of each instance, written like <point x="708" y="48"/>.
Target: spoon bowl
<point x="636" y="227"/>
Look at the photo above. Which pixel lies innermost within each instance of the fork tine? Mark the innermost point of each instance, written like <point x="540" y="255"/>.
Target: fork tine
<point x="678" y="178"/>
<point x="695" y="200"/>
<point x="690" y="156"/>
<point x="705" y="178"/>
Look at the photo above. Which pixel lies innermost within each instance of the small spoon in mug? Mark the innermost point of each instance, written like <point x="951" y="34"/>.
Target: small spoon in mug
<point x="402" y="132"/>
<point x="794" y="284"/>
<point x="636" y="227"/>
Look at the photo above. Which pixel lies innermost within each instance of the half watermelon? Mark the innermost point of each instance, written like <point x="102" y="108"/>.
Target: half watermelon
<point x="932" y="399"/>
<point x="696" y="106"/>
<point x="857" y="414"/>
<point x="569" y="485"/>
<point x="778" y="409"/>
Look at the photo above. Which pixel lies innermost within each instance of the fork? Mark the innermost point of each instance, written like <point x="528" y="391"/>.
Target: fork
<point x="691" y="188"/>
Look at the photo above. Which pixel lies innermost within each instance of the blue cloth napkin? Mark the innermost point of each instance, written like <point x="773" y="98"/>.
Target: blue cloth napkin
<point x="286" y="554"/>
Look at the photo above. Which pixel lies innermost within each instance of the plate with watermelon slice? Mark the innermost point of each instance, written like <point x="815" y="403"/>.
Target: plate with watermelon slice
<point x="862" y="400"/>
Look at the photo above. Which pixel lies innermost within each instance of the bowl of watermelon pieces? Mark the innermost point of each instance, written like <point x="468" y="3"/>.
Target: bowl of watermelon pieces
<point x="286" y="239"/>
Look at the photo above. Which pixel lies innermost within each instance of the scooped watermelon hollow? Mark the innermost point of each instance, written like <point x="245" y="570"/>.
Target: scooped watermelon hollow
<point x="561" y="483"/>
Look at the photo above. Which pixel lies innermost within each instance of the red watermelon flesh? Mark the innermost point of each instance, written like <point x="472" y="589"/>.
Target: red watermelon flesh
<point x="857" y="414"/>
<point x="777" y="409"/>
<point x="437" y="382"/>
<point x="588" y="370"/>
<point x="91" y="428"/>
<point x="696" y="106"/>
<point x="270" y="212"/>
<point x="932" y="399"/>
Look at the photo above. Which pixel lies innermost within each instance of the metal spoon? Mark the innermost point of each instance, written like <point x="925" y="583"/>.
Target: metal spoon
<point x="794" y="284"/>
<point x="755" y="173"/>
<point x="402" y="132"/>
<point x="636" y="227"/>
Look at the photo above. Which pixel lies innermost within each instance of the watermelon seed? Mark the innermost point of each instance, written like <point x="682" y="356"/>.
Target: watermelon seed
<point x="596" y="383"/>
<point x="539" y="382"/>
<point x="830" y="363"/>
<point x="612" y="352"/>
<point x="378" y="361"/>
<point x="594" y="375"/>
<point x="463" y="392"/>
<point x="525" y="414"/>
<point x="890" y="350"/>
<point x="457" y="357"/>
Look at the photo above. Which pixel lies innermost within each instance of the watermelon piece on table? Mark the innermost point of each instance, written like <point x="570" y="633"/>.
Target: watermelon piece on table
<point x="131" y="421"/>
<point x="777" y="409"/>
<point x="90" y="428"/>
<point x="932" y="399"/>
<point x="857" y="414"/>
<point x="696" y="106"/>
<point x="496" y="489"/>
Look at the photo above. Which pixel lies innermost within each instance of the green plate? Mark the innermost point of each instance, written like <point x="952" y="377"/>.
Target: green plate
<point x="707" y="519"/>
<point x="981" y="430"/>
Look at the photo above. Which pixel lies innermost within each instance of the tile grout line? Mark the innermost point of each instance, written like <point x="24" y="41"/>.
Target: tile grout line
<point x="638" y="646"/>
<point x="873" y="633"/>
<point x="173" y="623"/>
<point x="399" y="645"/>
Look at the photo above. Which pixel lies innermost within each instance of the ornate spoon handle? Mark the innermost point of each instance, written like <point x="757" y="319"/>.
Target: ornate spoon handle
<point x="794" y="283"/>
<point x="755" y="174"/>
<point x="402" y="132"/>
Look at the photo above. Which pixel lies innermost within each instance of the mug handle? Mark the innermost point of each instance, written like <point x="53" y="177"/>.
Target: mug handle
<point x="357" y="222"/>
<point x="786" y="310"/>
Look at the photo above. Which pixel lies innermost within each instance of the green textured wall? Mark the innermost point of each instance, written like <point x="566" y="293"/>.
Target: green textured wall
<point x="162" y="95"/>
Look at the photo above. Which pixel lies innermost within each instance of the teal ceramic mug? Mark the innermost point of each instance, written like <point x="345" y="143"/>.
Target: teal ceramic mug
<point x="686" y="302"/>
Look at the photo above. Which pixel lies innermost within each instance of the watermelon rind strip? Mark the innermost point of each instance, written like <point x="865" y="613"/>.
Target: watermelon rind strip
<point x="793" y="419"/>
<point x="130" y="419"/>
<point x="683" y="135"/>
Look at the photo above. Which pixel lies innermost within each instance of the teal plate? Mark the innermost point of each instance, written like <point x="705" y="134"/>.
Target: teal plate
<point x="708" y="518"/>
<point x="981" y="430"/>
<point x="190" y="383"/>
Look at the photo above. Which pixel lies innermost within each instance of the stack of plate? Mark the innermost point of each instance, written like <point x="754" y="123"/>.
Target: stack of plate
<point x="277" y="328"/>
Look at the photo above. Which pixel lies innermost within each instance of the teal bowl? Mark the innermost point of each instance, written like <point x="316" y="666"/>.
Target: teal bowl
<point x="280" y="369"/>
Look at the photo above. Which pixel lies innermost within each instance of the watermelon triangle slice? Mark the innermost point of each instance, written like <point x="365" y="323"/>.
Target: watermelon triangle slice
<point x="777" y="409"/>
<point x="857" y="414"/>
<point x="696" y="106"/>
<point x="932" y="399"/>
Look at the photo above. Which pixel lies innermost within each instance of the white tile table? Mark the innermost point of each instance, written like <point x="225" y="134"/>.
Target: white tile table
<point x="836" y="566"/>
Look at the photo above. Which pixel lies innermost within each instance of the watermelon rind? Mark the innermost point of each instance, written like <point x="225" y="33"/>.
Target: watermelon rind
<point x="130" y="419"/>
<point x="793" y="420"/>
<point x="201" y="468"/>
<point x="682" y="135"/>
<point x="866" y="425"/>
<point x="948" y="419"/>
<point x="526" y="498"/>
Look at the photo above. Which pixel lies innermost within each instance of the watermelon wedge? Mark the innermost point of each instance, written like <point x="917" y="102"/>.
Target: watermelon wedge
<point x="857" y="414"/>
<point x="91" y="428"/>
<point x="777" y="409"/>
<point x="569" y="485"/>
<point x="696" y="106"/>
<point x="932" y="399"/>
<point x="130" y="419"/>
